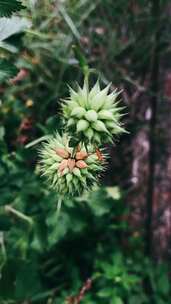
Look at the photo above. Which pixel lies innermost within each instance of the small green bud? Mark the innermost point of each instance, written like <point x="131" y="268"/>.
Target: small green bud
<point x="105" y="114"/>
<point x="117" y="130"/>
<point x="82" y="125"/>
<point x="99" y="126"/>
<point x="48" y="162"/>
<point x="95" y="89"/>
<point x="99" y="99"/>
<point x="75" y="182"/>
<point x="91" y="159"/>
<point x="70" y="122"/>
<point x="78" y="112"/>
<point x="77" y="172"/>
<point x="89" y="133"/>
<point x="69" y="178"/>
<point x="54" y="166"/>
<point x="91" y="115"/>
<point x="110" y="124"/>
<point x="97" y="138"/>
<point x="65" y="171"/>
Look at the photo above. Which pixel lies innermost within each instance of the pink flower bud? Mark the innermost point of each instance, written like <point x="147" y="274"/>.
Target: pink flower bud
<point x="62" y="153"/>
<point x="71" y="164"/>
<point x="63" y="165"/>
<point x="81" y="164"/>
<point x="81" y="155"/>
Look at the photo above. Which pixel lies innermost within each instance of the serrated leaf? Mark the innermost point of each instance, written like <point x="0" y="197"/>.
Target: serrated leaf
<point x="11" y="26"/>
<point x="7" y="7"/>
<point x="7" y="70"/>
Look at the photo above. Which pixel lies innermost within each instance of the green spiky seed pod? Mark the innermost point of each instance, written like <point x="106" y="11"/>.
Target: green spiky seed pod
<point x="69" y="171"/>
<point x="93" y="114"/>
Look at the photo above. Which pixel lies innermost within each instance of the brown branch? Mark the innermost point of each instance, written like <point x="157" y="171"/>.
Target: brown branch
<point x="153" y="120"/>
<point x="77" y="299"/>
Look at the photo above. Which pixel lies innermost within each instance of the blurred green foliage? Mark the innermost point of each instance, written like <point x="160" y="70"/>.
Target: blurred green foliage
<point x="45" y="258"/>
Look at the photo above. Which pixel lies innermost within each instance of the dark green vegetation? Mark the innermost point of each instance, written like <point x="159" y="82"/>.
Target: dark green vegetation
<point x="45" y="259"/>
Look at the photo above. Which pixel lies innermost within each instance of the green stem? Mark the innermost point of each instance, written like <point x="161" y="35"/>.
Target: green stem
<point x="18" y="214"/>
<point x="36" y="141"/>
<point x="59" y="204"/>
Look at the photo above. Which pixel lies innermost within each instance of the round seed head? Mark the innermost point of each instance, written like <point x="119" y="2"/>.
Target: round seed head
<point x="93" y="114"/>
<point x="69" y="172"/>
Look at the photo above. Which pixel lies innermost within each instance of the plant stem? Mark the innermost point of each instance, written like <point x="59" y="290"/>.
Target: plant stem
<point x="19" y="214"/>
<point x="59" y="204"/>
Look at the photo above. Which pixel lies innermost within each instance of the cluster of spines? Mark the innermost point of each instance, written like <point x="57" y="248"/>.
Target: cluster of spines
<point x="68" y="170"/>
<point x="94" y="115"/>
<point x="92" y="118"/>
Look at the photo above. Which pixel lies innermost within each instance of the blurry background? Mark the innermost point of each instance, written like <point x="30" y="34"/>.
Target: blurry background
<point x="118" y="237"/>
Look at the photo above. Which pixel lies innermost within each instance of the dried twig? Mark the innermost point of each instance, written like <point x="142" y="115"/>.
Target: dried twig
<point x="77" y="299"/>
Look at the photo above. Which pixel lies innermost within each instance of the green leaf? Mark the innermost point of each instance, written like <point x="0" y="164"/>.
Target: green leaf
<point x="42" y="295"/>
<point x="69" y="22"/>
<point x="105" y="292"/>
<point x="140" y="299"/>
<point x="163" y="284"/>
<point x="57" y="227"/>
<point x="11" y="26"/>
<point x="114" y="192"/>
<point x="27" y="285"/>
<point x="2" y="133"/>
<point x="7" y="70"/>
<point x="7" y="7"/>
<point x="117" y="300"/>
<point x="98" y="203"/>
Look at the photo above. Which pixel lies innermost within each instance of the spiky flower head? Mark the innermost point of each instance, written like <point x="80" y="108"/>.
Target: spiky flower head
<point x="69" y="170"/>
<point x="93" y="114"/>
